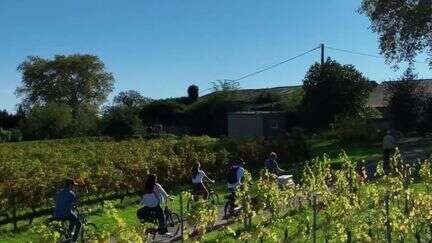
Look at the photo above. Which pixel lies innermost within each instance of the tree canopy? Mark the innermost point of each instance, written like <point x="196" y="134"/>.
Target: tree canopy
<point x="407" y="102"/>
<point x="131" y="98"/>
<point x="193" y="93"/>
<point x="333" y="89"/>
<point x="71" y="80"/>
<point x="404" y="27"/>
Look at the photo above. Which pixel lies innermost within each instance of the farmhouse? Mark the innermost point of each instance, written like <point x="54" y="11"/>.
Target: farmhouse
<point x="265" y="119"/>
<point x="251" y="124"/>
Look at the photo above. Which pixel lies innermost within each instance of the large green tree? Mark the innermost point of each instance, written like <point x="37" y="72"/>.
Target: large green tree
<point x="333" y="89"/>
<point x="71" y="80"/>
<point x="406" y="103"/>
<point x="404" y="27"/>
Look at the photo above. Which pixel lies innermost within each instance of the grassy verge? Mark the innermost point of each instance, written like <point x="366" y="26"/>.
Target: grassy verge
<point x="357" y="151"/>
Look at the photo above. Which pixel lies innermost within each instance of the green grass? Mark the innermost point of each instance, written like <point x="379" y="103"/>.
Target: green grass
<point x="358" y="152"/>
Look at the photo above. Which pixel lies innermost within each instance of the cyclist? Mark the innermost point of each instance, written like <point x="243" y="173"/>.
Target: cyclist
<point x="154" y="196"/>
<point x="64" y="204"/>
<point x="235" y="179"/>
<point x="198" y="176"/>
<point x="272" y="166"/>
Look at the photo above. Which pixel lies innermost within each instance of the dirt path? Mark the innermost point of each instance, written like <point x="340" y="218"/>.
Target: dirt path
<point x="221" y="222"/>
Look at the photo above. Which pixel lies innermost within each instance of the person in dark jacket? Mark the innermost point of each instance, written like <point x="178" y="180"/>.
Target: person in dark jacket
<point x="64" y="208"/>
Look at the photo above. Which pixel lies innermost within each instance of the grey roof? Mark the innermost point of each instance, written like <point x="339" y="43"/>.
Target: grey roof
<point x="379" y="96"/>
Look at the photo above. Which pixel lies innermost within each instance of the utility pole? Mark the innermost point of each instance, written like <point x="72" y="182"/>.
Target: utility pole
<point x="322" y="54"/>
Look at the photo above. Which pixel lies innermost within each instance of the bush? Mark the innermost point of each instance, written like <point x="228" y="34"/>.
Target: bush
<point x="47" y="122"/>
<point x="121" y="122"/>
<point x="354" y="128"/>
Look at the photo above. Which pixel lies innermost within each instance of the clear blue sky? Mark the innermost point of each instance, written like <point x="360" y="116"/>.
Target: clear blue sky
<point x="159" y="47"/>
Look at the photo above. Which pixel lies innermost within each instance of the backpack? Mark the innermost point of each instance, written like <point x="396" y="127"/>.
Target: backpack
<point x="232" y="175"/>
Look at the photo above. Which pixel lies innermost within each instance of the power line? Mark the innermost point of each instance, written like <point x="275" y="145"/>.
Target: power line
<point x="360" y="53"/>
<point x="275" y="65"/>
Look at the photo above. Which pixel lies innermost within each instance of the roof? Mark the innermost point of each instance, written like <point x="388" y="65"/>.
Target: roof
<point x="377" y="98"/>
<point x="250" y="95"/>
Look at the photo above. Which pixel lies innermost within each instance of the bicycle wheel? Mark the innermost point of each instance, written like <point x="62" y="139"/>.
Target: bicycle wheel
<point x="86" y="231"/>
<point x="213" y="198"/>
<point x="173" y="222"/>
<point x="227" y="209"/>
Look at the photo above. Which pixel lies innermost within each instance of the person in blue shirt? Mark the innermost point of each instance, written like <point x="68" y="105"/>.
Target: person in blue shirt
<point x="64" y="208"/>
<point x="272" y="166"/>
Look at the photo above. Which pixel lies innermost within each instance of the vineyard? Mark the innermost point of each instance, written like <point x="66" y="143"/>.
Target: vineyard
<point x="337" y="206"/>
<point x="326" y="205"/>
<point x="31" y="172"/>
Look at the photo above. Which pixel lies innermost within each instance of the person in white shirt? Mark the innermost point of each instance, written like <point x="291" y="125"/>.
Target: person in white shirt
<point x="198" y="176"/>
<point x="154" y="196"/>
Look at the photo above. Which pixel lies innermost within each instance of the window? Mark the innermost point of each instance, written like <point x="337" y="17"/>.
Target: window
<point x="274" y="124"/>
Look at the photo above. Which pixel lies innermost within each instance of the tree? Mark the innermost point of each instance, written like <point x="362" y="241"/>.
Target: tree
<point x="71" y="80"/>
<point x="131" y="98"/>
<point x="225" y="85"/>
<point x="121" y="122"/>
<point x="47" y="122"/>
<point x="193" y="93"/>
<point x="165" y="112"/>
<point x="333" y="89"/>
<point x="8" y="121"/>
<point x="86" y="123"/>
<point x="407" y="101"/>
<point x="404" y="27"/>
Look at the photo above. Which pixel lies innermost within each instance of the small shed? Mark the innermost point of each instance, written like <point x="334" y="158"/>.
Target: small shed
<point x="252" y="124"/>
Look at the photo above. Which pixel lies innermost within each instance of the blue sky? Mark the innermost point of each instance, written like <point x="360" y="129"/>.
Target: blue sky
<point x="159" y="47"/>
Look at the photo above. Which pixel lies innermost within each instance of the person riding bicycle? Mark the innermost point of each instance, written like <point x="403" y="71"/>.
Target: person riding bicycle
<point x="198" y="176"/>
<point x="272" y="166"/>
<point x="235" y="179"/>
<point x="64" y="205"/>
<point x="154" y="196"/>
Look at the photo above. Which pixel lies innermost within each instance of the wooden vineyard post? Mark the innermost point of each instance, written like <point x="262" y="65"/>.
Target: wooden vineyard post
<point x="14" y="212"/>
<point x="314" y="222"/>
<point x="285" y="235"/>
<point x="387" y="222"/>
<point x="181" y="217"/>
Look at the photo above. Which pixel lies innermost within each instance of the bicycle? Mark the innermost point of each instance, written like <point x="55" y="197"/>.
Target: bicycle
<point x="63" y="228"/>
<point x="230" y="209"/>
<point x="213" y="198"/>
<point x="172" y="220"/>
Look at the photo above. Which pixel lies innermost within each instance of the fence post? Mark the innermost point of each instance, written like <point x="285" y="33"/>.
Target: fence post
<point x="14" y="212"/>
<point x="181" y="217"/>
<point x="286" y="235"/>
<point x="387" y="222"/>
<point x="349" y="236"/>
<point x="314" y="222"/>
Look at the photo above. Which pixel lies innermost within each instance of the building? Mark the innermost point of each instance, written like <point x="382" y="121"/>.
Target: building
<point x="252" y="124"/>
